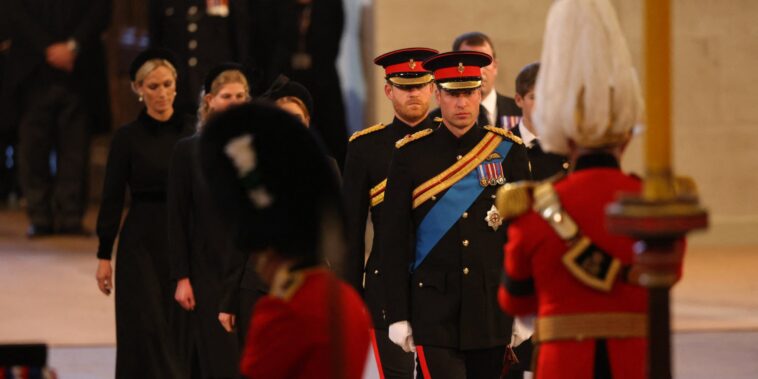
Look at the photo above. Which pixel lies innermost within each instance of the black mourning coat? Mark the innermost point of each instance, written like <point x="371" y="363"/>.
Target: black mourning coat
<point x="451" y="298"/>
<point x="138" y="162"/>
<point x="200" y="248"/>
<point x="366" y="166"/>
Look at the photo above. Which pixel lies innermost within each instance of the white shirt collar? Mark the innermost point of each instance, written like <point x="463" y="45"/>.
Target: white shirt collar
<point x="490" y="104"/>
<point x="526" y="135"/>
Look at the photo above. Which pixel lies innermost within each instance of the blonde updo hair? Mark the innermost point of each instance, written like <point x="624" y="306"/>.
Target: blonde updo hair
<point x="148" y="67"/>
<point x="224" y="78"/>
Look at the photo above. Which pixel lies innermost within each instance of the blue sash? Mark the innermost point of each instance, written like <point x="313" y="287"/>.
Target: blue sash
<point x="449" y="209"/>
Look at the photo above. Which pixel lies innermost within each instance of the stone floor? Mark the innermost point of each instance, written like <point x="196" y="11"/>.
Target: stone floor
<point x="48" y="293"/>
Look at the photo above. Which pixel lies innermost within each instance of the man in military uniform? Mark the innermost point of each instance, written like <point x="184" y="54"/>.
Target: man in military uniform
<point x="543" y="164"/>
<point x="409" y="87"/>
<point x="591" y="314"/>
<point x="440" y="220"/>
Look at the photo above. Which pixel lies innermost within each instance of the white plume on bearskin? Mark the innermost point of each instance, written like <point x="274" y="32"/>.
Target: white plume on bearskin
<point x="587" y="89"/>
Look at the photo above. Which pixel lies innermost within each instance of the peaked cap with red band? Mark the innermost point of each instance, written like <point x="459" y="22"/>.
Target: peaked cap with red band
<point x="458" y="70"/>
<point x="404" y="67"/>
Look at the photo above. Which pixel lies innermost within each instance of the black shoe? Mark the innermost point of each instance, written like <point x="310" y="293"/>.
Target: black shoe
<point x="38" y="231"/>
<point x="74" y="231"/>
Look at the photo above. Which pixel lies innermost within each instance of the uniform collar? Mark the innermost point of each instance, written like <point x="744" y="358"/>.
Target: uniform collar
<point x="596" y="160"/>
<point x="468" y="140"/>
<point x="401" y="127"/>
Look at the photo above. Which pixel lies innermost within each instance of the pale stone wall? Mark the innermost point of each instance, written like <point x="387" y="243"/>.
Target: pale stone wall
<point x="715" y="84"/>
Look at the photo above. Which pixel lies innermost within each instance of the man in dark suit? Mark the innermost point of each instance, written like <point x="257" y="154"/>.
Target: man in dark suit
<point x="56" y="76"/>
<point x="441" y="222"/>
<point x="496" y="106"/>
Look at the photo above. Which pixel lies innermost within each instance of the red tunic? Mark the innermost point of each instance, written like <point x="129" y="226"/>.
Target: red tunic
<point x="534" y="251"/>
<point x="295" y="336"/>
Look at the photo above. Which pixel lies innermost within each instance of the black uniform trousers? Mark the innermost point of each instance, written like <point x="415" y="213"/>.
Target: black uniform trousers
<point x="445" y="363"/>
<point x="395" y="363"/>
<point x="53" y="120"/>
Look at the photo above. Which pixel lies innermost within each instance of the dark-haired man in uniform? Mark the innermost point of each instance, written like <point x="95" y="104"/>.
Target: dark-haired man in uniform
<point x="409" y="88"/>
<point x="442" y="235"/>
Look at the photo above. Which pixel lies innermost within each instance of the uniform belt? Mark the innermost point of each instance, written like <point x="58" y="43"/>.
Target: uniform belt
<point x="149" y="197"/>
<point x="590" y="326"/>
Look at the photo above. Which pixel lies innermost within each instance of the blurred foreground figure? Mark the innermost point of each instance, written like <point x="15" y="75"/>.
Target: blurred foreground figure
<point x="560" y="261"/>
<point x="56" y="84"/>
<point x="311" y="324"/>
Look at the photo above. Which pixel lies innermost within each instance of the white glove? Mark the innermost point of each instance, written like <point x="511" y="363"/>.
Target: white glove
<point x="400" y="334"/>
<point x="523" y="328"/>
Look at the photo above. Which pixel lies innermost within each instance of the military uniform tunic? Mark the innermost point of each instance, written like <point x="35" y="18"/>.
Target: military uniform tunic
<point x="584" y="194"/>
<point x="366" y="168"/>
<point x="450" y="299"/>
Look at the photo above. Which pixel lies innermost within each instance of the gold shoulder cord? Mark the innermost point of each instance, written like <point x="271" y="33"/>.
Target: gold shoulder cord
<point x="586" y="262"/>
<point x="366" y="131"/>
<point x="412" y="137"/>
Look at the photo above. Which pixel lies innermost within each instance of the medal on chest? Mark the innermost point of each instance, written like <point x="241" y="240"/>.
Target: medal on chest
<point x="490" y="172"/>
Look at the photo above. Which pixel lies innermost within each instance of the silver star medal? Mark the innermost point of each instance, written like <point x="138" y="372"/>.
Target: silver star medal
<point x="493" y="218"/>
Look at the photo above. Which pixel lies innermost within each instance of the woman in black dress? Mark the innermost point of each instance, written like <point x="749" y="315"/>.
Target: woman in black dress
<point x="138" y="160"/>
<point x="201" y="249"/>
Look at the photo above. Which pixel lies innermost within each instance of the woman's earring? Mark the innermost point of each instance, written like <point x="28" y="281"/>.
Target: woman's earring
<point x="140" y="98"/>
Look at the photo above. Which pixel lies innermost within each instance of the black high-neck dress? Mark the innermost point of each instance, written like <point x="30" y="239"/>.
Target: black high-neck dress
<point x="138" y="161"/>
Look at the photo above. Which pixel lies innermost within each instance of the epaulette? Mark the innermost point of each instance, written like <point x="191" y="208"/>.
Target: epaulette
<point x="368" y="130"/>
<point x="437" y="119"/>
<point x="504" y="133"/>
<point x="412" y="137"/>
<point x="287" y="285"/>
<point x="514" y="199"/>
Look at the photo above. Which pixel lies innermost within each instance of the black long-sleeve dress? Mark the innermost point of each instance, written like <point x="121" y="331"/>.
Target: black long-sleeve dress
<point x="139" y="160"/>
<point x="201" y="250"/>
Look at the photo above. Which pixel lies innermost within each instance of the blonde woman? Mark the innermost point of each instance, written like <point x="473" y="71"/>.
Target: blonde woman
<point x="201" y="249"/>
<point x="138" y="161"/>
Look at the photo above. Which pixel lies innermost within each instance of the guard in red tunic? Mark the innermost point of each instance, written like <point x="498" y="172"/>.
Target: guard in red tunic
<point x="560" y="261"/>
<point x="275" y="188"/>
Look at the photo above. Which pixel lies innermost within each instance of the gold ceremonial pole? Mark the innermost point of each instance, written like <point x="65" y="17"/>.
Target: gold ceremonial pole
<point x="658" y="178"/>
<point x="668" y="208"/>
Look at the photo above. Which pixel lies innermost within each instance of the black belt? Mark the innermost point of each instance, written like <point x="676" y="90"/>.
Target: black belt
<point x="149" y="197"/>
